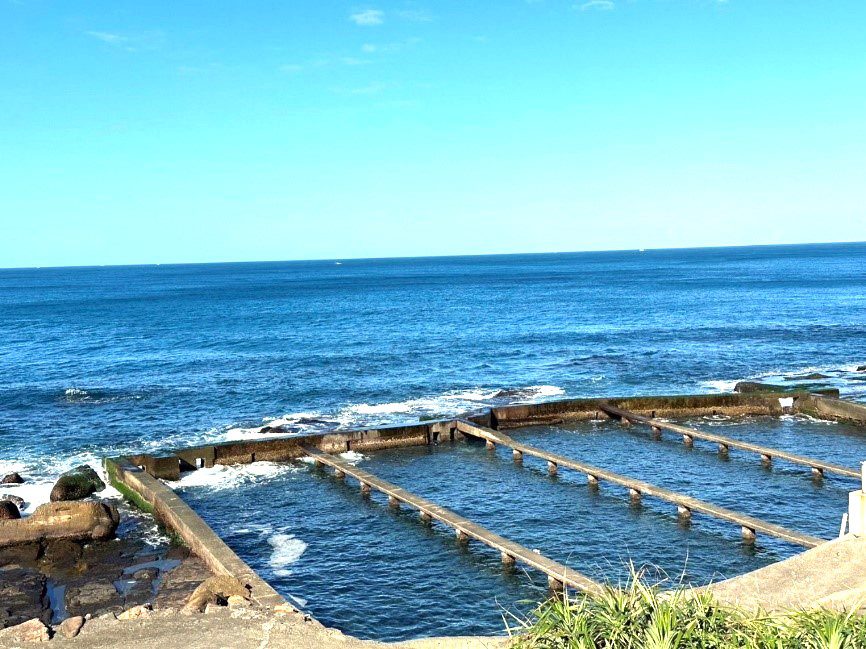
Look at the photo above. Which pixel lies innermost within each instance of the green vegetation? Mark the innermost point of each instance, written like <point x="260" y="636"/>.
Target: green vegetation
<point x="641" y="616"/>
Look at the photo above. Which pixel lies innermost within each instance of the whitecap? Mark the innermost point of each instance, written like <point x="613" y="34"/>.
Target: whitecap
<point x="221" y="477"/>
<point x="287" y="549"/>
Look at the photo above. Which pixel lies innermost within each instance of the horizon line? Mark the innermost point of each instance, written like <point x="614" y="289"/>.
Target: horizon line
<point x="442" y="256"/>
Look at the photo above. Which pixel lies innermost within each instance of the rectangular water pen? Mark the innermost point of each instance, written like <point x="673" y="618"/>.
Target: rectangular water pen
<point x="558" y="575"/>
<point x="686" y="505"/>
<point x="819" y="467"/>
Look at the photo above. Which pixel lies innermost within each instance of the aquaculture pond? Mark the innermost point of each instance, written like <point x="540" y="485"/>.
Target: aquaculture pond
<point x="356" y="564"/>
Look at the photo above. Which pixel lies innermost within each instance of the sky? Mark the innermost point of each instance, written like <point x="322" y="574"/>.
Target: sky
<point x="193" y="131"/>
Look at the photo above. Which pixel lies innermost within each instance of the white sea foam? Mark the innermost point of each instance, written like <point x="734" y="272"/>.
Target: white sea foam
<point x="352" y="457"/>
<point x="221" y="477"/>
<point x="287" y="549"/>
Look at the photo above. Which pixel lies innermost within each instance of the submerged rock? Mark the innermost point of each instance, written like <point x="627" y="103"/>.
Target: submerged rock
<point x="752" y="386"/>
<point x="8" y="511"/>
<point x="80" y="482"/>
<point x="12" y="478"/>
<point x="861" y="368"/>
<point x="74" y="521"/>
<point x="814" y="376"/>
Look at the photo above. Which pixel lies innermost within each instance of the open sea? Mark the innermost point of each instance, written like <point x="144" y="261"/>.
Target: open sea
<point x="101" y="361"/>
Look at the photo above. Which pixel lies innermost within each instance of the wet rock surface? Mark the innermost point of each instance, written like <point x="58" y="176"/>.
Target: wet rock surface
<point x="57" y="581"/>
<point x="12" y="478"/>
<point x="78" y="483"/>
<point x="18" y="501"/>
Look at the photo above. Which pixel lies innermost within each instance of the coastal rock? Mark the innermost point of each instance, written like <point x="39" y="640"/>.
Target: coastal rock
<point x="861" y="368"/>
<point x="215" y="590"/>
<point x="78" y="483"/>
<point x="71" y="626"/>
<point x="21" y="590"/>
<point x="236" y="601"/>
<point x="74" y="521"/>
<point x="8" y="511"/>
<point x="12" y="478"/>
<point x="31" y="631"/>
<point x="97" y="598"/>
<point x="136" y="612"/>
<point x="744" y="387"/>
<point x="18" y="500"/>
<point x="60" y="558"/>
<point x="814" y="376"/>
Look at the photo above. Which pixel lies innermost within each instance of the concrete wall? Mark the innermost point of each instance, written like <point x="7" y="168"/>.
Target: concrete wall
<point x="828" y="408"/>
<point x="179" y="517"/>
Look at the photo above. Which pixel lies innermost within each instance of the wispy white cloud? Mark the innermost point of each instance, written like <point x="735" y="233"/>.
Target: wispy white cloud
<point x="598" y="5"/>
<point x="394" y="46"/>
<point x="368" y="17"/>
<point x="291" y="68"/>
<point x="109" y="37"/>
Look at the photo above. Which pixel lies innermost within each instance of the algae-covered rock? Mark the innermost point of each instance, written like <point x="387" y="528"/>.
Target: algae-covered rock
<point x="76" y="484"/>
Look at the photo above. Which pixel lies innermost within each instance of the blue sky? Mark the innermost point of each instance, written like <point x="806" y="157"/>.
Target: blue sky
<point x="154" y="132"/>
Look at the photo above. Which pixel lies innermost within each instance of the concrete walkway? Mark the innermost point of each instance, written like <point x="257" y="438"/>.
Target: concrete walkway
<point x="830" y="575"/>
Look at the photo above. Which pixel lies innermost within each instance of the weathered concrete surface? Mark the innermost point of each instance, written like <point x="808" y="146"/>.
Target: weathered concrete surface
<point x="837" y="409"/>
<point x="79" y="521"/>
<point x="832" y="574"/>
<point x="235" y="629"/>
<point x="169" y="508"/>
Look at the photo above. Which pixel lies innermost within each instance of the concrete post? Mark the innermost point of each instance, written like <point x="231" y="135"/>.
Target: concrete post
<point x="724" y="450"/>
<point x="857" y="506"/>
<point x="657" y="432"/>
<point x="688" y="440"/>
<point x="426" y="518"/>
<point x="817" y="473"/>
<point x="748" y="534"/>
<point x="393" y="502"/>
<point x="490" y="446"/>
<point x="507" y="559"/>
<point x="591" y="480"/>
<point x="552" y="468"/>
<point x="766" y="461"/>
<point x="462" y="537"/>
<point x="518" y="456"/>
<point x="339" y="475"/>
<point x="365" y="489"/>
<point x="554" y="584"/>
<point x="684" y="514"/>
<point x="634" y="496"/>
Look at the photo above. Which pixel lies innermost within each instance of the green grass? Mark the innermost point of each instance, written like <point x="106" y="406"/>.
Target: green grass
<point x="642" y="616"/>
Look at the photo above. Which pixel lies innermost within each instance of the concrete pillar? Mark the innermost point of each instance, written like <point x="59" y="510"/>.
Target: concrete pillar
<point x="365" y="489"/>
<point x="857" y="507"/>
<point x="393" y="503"/>
<point x="426" y="518"/>
<point x="462" y="537"/>
<point x="688" y="440"/>
<point x="748" y="534"/>
<point x="624" y="422"/>
<point x="490" y="446"/>
<point x="507" y="559"/>
<point x="817" y="473"/>
<point x="724" y="450"/>
<point x="518" y="456"/>
<point x="634" y="496"/>
<point x="684" y="514"/>
<point x="339" y="475"/>
<point x="554" y="584"/>
<point x="552" y="468"/>
<point x="657" y="432"/>
<point x="591" y="480"/>
<point x="319" y="464"/>
<point x="766" y="461"/>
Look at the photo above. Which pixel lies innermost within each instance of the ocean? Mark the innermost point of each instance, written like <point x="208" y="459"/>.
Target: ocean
<point x="104" y="360"/>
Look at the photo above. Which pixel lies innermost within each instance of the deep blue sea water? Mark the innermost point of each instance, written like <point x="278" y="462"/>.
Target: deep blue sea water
<point x="97" y="361"/>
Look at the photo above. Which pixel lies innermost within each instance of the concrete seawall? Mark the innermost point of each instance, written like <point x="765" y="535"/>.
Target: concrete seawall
<point x="138" y="476"/>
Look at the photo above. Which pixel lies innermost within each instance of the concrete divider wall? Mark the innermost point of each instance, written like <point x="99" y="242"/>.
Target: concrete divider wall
<point x="179" y="517"/>
<point x="829" y="408"/>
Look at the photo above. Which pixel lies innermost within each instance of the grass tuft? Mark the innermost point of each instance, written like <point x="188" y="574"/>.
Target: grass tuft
<point x="640" y="615"/>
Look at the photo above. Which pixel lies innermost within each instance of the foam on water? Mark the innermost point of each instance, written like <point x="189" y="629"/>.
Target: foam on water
<point x="221" y="477"/>
<point x="287" y="549"/>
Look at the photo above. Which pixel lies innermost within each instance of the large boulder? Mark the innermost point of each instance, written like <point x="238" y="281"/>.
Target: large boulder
<point x="31" y="631"/>
<point x="8" y="511"/>
<point x="12" y="478"/>
<point x="73" y="521"/>
<point x="80" y="482"/>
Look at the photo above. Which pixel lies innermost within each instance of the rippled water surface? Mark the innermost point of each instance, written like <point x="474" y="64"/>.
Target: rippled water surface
<point x="98" y="361"/>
